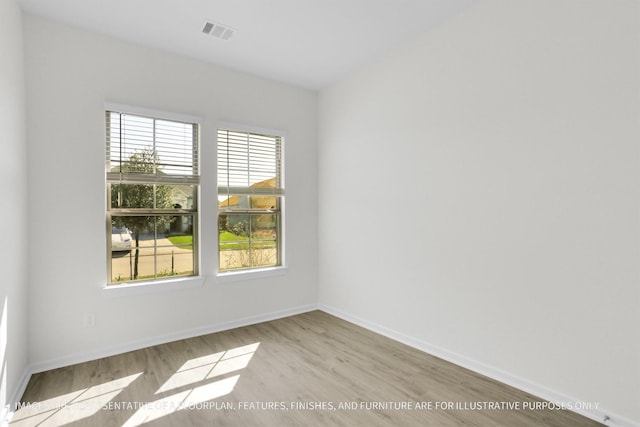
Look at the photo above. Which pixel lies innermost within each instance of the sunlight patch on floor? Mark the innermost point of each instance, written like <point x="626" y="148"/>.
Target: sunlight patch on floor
<point x="194" y="383"/>
<point x="184" y="400"/>
<point x="190" y="373"/>
<point x="210" y="366"/>
<point x="70" y="407"/>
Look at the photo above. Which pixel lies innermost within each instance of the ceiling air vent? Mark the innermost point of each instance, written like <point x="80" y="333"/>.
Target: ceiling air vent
<point x="217" y="30"/>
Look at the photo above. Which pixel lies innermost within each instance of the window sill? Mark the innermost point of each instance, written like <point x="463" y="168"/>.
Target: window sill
<point x="111" y="291"/>
<point x="236" y="276"/>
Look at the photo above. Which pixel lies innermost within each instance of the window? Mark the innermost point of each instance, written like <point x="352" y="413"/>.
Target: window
<point x="152" y="197"/>
<point x="250" y="200"/>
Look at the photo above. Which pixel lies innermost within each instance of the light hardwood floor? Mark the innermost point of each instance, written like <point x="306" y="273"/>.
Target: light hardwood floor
<point x="311" y="369"/>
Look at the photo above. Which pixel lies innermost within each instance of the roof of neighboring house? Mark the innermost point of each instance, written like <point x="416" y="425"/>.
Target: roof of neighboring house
<point x="233" y="201"/>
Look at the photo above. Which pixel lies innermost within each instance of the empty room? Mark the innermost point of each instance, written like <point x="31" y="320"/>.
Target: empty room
<point x="305" y="212"/>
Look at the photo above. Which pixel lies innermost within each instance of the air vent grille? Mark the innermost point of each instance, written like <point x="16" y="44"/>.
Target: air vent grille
<point x="219" y="31"/>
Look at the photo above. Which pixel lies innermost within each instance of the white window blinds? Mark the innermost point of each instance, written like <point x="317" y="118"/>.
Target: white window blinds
<point x="249" y="163"/>
<point x="144" y="148"/>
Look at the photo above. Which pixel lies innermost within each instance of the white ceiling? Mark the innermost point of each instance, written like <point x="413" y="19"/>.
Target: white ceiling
<point x="309" y="43"/>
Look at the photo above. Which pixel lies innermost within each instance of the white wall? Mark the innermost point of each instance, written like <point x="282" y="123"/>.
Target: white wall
<point x="70" y="74"/>
<point x="13" y="215"/>
<point x="483" y="183"/>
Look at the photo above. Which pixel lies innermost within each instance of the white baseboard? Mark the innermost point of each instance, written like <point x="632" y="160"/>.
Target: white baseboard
<point x="601" y="414"/>
<point x="7" y="411"/>
<point x="163" y="339"/>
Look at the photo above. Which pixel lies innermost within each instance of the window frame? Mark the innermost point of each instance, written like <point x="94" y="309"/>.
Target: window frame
<point x="155" y="283"/>
<point x="257" y="271"/>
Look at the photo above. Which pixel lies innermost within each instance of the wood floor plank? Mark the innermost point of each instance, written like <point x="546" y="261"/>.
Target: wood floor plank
<point x="309" y="369"/>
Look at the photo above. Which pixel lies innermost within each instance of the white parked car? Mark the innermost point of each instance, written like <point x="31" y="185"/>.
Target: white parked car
<point x="121" y="239"/>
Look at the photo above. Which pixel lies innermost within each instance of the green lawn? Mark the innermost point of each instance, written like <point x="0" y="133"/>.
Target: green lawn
<point x="227" y="236"/>
<point x="185" y="242"/>
<point x="228" y="241"/>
